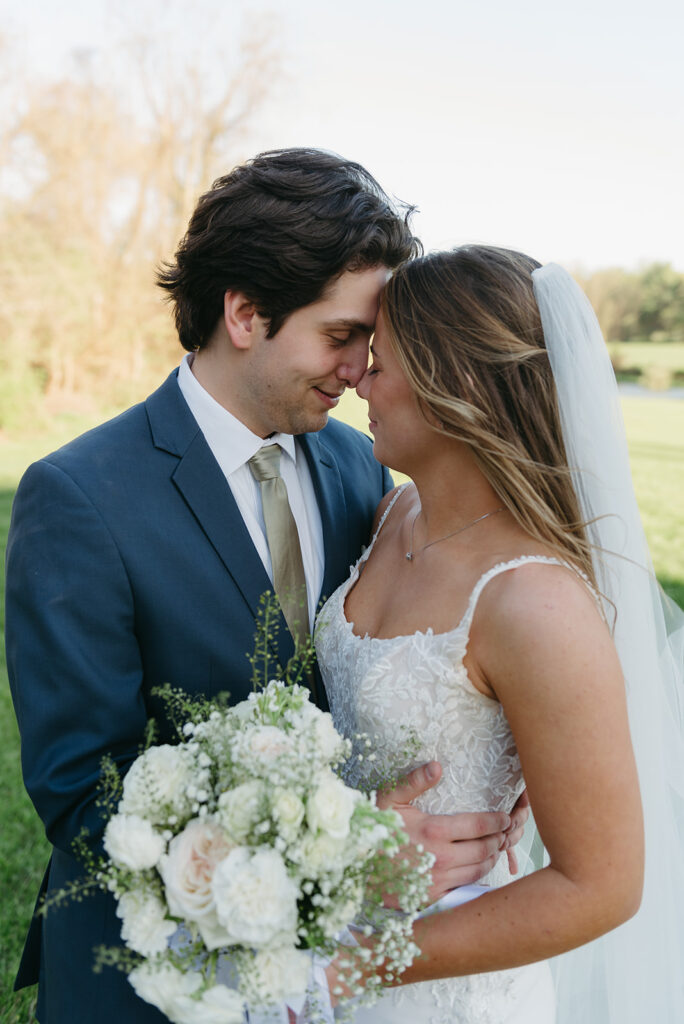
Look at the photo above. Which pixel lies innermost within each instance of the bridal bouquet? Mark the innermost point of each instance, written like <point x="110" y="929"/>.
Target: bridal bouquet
<point x="239" y="853"/>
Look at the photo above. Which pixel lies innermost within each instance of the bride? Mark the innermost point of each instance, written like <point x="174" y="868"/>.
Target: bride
<point x="504" y="602"/>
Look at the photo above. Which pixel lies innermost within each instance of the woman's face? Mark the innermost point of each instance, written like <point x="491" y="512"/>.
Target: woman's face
<point x="402" y="437"/>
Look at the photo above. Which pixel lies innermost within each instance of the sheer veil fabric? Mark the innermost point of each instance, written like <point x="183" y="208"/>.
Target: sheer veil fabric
<point x="635" y="973"/>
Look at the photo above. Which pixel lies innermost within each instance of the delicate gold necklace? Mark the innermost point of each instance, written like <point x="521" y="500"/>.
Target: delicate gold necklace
<point x="410" y="553"/>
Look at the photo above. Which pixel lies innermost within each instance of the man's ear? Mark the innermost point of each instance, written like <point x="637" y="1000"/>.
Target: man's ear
<point x="242" y="321"/>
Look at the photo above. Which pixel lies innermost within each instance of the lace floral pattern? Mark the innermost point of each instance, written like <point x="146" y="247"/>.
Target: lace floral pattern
<point x="384" y="687"/>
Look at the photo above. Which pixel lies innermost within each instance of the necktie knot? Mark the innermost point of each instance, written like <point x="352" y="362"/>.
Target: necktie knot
<point x="265" y="465"/>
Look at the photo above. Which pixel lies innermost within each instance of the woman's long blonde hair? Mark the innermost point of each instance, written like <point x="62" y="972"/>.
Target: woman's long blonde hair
<point x="467" y="332"/>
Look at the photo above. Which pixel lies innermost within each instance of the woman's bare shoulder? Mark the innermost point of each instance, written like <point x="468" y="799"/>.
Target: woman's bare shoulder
<point x="541" y="620"/>
<point x="537" y="590"/>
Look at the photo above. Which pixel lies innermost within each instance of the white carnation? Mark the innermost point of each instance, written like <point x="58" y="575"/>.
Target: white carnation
<point x="145" y="927"/>
<point x="163" y="986"/>
<point x="132" y="843"/>
<point x="240" y="809"/>
<point x="330" y="806"/>
<point x="282" y="972"/>
<point x="256" y="900"/>
<point x="188" y="870"/>
<point x="157" y="783"/>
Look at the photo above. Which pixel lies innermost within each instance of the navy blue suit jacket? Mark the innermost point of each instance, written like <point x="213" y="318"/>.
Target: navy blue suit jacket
<point x="128" y="566"/>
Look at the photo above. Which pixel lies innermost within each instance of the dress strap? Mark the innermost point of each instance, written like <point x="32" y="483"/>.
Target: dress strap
<point x="380" y="525"/>
<point x="500" y="567"/>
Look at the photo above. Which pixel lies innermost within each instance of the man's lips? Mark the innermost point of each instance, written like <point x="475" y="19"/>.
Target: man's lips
<point x="329" y="398"/>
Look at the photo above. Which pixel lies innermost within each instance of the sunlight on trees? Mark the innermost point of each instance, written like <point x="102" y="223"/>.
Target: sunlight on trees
<point x="99" y="173"/>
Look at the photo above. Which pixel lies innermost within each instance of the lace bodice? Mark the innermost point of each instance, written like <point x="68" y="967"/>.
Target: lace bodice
<point x="412" y="697"/>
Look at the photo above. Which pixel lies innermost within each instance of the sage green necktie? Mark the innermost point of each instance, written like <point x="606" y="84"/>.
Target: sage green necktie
<point x="289" y="580"/>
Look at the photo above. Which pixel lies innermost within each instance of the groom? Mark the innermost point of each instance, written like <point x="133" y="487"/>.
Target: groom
<point x="137" y="554"/>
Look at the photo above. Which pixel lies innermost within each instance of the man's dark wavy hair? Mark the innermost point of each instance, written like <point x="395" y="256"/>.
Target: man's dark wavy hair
<point x="280" y="229"/>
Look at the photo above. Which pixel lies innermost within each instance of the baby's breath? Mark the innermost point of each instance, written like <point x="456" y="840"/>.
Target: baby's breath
<point x="260" y="782"/>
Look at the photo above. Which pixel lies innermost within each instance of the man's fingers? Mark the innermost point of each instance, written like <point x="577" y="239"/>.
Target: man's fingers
<point x="416" y="782"/>
<point x="520" y="815"/>
<point x="514" y="835"/>
<point x="467" y="854"/>
<point x="463" y="828"/>
<point x="465" y="875"/>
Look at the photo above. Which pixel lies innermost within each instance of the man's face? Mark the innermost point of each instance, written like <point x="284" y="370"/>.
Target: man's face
<point x="293" y="380"/>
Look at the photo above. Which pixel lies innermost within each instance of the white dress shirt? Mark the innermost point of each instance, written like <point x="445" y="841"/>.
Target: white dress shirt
<point x="232" y="444"/>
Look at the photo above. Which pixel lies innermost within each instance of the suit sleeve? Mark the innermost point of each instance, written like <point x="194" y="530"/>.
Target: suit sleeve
<point x="73" y="659"/>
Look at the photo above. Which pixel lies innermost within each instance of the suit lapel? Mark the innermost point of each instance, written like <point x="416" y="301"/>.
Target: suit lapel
<point x="198" y="478"/>
<point x="205" y="489"/>
<point x="327" y="483"/>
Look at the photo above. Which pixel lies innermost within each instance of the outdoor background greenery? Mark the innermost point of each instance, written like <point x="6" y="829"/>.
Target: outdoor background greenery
<point x="655" y="430"/>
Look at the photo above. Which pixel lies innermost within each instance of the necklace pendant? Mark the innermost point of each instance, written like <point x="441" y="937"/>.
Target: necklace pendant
<point x="409" y="556"/>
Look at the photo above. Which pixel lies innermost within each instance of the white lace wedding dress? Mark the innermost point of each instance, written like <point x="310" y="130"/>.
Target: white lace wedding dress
<point x="413" y="692"/>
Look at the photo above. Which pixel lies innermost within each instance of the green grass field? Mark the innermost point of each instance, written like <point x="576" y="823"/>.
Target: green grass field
<point x="641" y="355"/>
<point x="657" y="366"/>
<point x="655" y="429"/>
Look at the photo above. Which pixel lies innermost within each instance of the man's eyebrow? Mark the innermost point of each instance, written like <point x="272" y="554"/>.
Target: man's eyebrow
<point x="348" y="324"/>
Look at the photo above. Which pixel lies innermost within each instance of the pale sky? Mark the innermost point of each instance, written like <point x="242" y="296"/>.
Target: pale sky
<point x="555" y="128"/>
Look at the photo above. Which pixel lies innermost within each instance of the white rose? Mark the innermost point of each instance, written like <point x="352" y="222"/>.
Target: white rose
<point x="158" y="780"/>
<point x="320" y="854"/>
<point x="218" y="1005"/>
<point x="282" y="972"/>
<point x="240" y="809"/>
<point x="163" y="985"/>
<point x="330" y="806"/>
<point x="132" y="843"/>
<point x="188" y="870"/>
<point x="288" y="810"/>
<point x="256" y="900"/>
<point x="145" y="927"/>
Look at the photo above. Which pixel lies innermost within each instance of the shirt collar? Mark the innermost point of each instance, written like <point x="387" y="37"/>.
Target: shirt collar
<point x="232" y="443"/>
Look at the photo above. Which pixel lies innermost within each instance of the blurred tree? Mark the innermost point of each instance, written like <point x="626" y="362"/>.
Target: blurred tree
<point x="647" y="305"/>
<point x="614" y="294"/>
<point x="99" y="173"/>
<point x="661" y="307"/>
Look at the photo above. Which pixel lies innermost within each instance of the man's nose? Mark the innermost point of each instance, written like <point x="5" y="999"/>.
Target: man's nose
<point x="354" y="364"/>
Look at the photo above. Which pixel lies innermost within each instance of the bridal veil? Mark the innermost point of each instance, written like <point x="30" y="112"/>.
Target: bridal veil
<point x="634" y="974"/>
